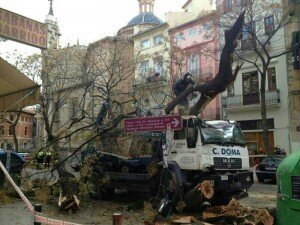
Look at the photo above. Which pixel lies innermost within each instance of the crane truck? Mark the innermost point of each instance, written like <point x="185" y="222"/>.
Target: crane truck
<point x="213" y="151"/>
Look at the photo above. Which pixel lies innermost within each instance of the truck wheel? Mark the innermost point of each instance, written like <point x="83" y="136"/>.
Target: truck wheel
<point x="172" y="195"/>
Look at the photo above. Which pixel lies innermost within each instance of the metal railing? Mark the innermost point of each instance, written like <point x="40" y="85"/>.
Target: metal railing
<point x="204" y="73"/>
<point x="149" y="79"/>
<point x="236" y="101"/>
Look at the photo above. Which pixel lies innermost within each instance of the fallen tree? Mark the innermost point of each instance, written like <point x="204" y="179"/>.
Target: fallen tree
<point x="222" y="80"/>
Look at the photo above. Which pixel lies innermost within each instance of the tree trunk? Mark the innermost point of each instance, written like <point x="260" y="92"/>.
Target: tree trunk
<point x="69" y="186"/>
<point x="264" y="113"/>
<point x="15" y="139"/>
<point x="224" y="78"/>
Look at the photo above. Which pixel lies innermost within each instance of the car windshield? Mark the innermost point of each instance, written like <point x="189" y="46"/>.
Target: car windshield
<point x="274" y="160"/>
<point x="222" y="132"/>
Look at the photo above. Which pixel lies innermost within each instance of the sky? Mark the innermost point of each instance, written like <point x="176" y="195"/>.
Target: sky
<point x="86" y="21"/>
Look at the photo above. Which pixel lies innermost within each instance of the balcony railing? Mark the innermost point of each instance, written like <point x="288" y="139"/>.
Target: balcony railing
<point x="251" y="99"/>
<point x="294" y="1"/>
<point x="146" y="80"/>
<point x="205" y="73"/>
<point x="248" y="44"/>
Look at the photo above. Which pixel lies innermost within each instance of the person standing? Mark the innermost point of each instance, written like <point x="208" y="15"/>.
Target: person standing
<point x="48" y="159"/>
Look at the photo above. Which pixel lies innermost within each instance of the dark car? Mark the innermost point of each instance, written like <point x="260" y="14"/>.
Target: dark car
<point x="16" y="164"/>
<point x="266" y="169"/>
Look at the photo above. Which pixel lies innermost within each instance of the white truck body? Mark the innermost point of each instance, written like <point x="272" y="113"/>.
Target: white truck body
<point x="227" y="156"/>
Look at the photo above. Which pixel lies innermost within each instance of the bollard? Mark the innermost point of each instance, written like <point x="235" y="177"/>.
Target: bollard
<point x="38" y="208"/>
<point x="117" y="219"/>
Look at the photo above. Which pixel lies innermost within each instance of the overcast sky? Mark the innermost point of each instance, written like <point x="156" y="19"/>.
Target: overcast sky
<point x="87" y="20"/>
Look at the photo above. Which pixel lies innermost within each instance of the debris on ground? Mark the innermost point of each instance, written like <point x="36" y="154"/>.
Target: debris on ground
<point x="184" y="220"/>
<point x="235" y="213"/>
<point x="4" y="197"/>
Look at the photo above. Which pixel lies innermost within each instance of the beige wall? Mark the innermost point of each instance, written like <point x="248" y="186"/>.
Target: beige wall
<point x="198" y="5"/>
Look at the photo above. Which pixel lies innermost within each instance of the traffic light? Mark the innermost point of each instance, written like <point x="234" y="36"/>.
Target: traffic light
<point x="296" y="49"/>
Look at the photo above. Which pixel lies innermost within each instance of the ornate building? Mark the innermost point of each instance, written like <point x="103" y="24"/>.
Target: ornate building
<point x="53" y="29"/>
<point x="143" y="21"/>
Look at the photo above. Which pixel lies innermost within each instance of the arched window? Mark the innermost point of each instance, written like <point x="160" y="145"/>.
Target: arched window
<point x="193" y="63"/>
<point x="26" y="131"/>
<point x="25" y="146"/>
<point x="1" y="130"/>
<point x="10" y="131"/>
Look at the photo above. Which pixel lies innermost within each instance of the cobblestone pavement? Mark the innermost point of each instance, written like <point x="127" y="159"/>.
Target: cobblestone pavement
<point x="100" y="212"/>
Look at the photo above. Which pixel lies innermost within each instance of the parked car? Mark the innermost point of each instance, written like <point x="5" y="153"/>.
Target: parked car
<point x="24" y="155"/>
<point x="16" y="165"/>
<point x="266" y="169"/>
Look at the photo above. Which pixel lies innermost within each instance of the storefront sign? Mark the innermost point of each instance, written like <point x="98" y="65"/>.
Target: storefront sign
<point x="22" y="29"/>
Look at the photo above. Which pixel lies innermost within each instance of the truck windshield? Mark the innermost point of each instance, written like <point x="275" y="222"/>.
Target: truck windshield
<point x="222" y="132"/>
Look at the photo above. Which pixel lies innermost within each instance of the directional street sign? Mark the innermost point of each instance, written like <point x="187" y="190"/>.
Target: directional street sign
<point x="159" y="123"/>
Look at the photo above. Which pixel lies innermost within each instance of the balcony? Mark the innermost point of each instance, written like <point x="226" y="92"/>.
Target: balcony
<point x="247" y="45"/>
<point x="150" y="80"/>
<point x="250" y="100"/>
<point x="295" y="1"/>
<point x="203" y="74"/>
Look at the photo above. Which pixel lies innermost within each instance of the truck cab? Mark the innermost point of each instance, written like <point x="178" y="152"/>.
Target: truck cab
<point x="210" y="150"/>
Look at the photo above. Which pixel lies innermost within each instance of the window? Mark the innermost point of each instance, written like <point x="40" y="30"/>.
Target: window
<point x="145" y="43"/>
<point x="74" y="106"/>
<point x="271" y="73"/>
<point x="144" y="66"/>
<point x="192" y="32"/>
<point x="228" y="5"/>
<point x="158" y="40"/>
<point x="11" y="130"/>
<point x="248" y="32"/>
<point x="26" y="131"/>
<point x="269" y="24"/>
<point x="250" y="88"/>
<point x="230" y="90"/>
<point x="179" y="37"/>
<point x="193" y="63"/>
<point x="158" y="66"/>
<point x="181" y="134"/>
<point x="244" y="3"/>
<point x="11" y="117"/>
<point x="256" y="124"/>
<point x="1" y="130"/>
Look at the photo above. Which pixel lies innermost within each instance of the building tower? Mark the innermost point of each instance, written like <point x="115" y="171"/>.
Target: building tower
<point x="143" y="21"/>
<point x="53" y="29"/>
<point x="146" y="6"/>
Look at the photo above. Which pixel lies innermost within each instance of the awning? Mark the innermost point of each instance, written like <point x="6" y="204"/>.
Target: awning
<point x="16" y="89"/>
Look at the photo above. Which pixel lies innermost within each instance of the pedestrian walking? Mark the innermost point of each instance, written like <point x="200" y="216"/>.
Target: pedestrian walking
<point x="48" y="159"/>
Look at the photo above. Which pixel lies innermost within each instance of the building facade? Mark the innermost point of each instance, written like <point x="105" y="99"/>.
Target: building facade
<point x="193" y="47"/>
<point x="152" y="74"/>
<point x="242" y="101"/>
<point x="25" y="129"/>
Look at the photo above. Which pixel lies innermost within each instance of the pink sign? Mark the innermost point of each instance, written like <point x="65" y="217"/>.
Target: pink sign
<point x="159" y="123"/>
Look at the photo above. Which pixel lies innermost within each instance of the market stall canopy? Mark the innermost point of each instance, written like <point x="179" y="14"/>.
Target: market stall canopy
<point x="16" y="89"/>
